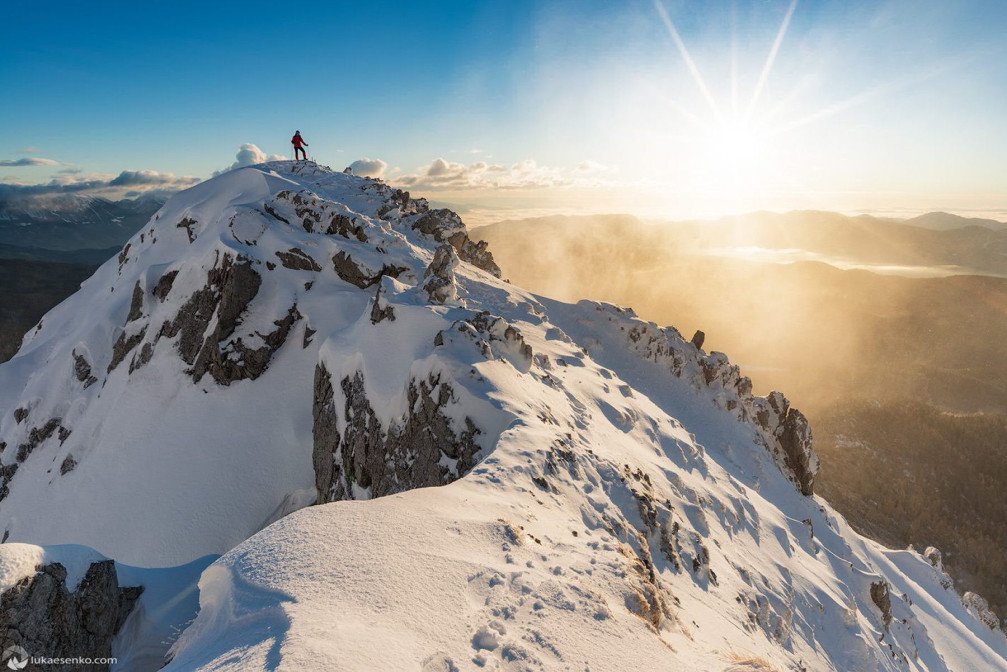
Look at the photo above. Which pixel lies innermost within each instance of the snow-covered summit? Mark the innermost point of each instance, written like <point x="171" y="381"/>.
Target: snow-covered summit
<point x="538" y="485"/>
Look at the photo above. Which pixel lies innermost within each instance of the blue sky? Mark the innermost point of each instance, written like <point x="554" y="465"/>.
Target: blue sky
<point x="882" y="106"/>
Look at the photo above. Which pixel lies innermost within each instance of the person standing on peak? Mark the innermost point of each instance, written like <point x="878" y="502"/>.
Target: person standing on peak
<point x="299" y="145"/>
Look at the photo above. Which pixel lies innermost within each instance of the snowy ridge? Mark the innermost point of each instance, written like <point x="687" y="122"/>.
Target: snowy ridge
<point x="607" y="495"/>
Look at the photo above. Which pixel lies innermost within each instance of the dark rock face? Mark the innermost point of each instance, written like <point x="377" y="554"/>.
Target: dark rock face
<point x="229" y="289"/>
<point x="43" y="617"/>
<point x="164" y="284"/>
<point x="880" y="597"/>
<point x="410" y="454"/>
<point x="36" y="437"/>
<point x="298" y="260"/>
<point x="20" y="414"/>
<point x="698" y="339"/>
<point x="345" y="227"/>
<point x="381" y="310"/>
<point x="250" y="363"/>
<point x="348" y="270"/>
<point x="796" y="440"/>
<point x="68" y="465"/>
<point x="82" y="370"/>
<point x="790" y="435"/>
<point x="123" y="346"/>
<point x="136" y="304"/>
<point x="188" y="224"/>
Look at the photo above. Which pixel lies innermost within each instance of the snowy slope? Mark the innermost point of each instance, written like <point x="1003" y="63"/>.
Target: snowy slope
<point x="514" y="482"/>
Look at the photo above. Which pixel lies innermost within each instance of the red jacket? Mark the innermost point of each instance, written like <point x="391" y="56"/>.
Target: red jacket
<point x="298" y="141"/>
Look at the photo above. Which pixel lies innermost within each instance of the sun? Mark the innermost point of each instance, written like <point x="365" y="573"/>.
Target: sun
<point x="734" y="154"/>
<point x="734" y="143"/>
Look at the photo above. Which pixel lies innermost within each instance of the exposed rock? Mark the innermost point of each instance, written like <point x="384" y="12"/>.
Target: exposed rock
<point x="381" y="310"/>
<point x="342" y="225"/>
<point x="274" y="214"/>
<point x="492" y="336"/>
<point x="348" y="270"/>
<point x="698" y="339"/>
<point x="880" y="597"/>
<point x="42" y="616"/>
<point x="237" y="361"/>
<point x="146" y="352"/>
<point x="445" y="226"/>
<point x="82" y="370"/>
<point x="230" y="287"/>
<point x="784" y="431"/>
<point x="351" y="272"/>
<point x="67" y="466"/>
<point x="308" y="333"/>
<point x="298" y="260"/>
<point x="20" y="414"/>
<point x="420" y="450"/>
<point x="123" y="256"/>
<point x="188" y="224"/>
<point x="7" y="472"/>
<point x="123" y="346"/>
<point x="36" y="437"/>
<point x="796" y="441"/>
<point x="136" y="304"/>
<point x="164" y="284"/>
<point x="440" y="275"/>
<point x="977" y="606"/>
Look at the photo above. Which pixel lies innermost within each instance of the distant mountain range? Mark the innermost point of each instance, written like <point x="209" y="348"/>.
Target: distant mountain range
<point x="72" y="222"/>
<point x="945" y="221"/>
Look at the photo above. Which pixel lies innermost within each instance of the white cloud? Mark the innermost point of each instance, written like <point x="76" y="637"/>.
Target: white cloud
<point x="368" y="167"/>
<point x="591" y="167"/>
<point x="250" y="155"/>
<point x="443" y="174"/>
<point x="28" y="161"/>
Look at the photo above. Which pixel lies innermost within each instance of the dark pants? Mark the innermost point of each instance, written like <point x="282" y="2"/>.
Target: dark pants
<point x="298" y="148"/>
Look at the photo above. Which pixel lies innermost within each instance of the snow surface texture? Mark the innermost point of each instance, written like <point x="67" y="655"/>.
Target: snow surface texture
<point x="631" y="504"/>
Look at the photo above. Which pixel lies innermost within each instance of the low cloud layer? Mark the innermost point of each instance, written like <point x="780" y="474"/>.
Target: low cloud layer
<point x="443" y="174"/>
<point x="28" y="161"/>
<point x="368" y="167"/>
<point x="112" y="186"/>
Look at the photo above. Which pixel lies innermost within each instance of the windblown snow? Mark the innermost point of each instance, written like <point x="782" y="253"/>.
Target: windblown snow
<point x="407" y="463"/>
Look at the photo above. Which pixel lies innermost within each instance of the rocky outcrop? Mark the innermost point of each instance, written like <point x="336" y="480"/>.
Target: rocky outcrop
<point x="36" y="437"/>
<point x="881" y="598"/>
<point x="164" y="284"/>
<point x="368" y="460"/>
<point x="980" y="609"/>
<point x="492" y="336"/>
<point x="381" y="309"/>
<point x="348" y="270"/>
<point x="439" y="282"/>
<point x="230" y="287"/>
<point x="298" y="260"/>
<point x="788" y="434"/>
<point x="698" y="339"/>
<point x="136" y="303"/>
<point x="44" y="618"/>
<point x="784" y="431"/>
<point x="82" y="370"/>
<point x="446" y="226"/>
<point x="189" y="225"/>
<point x="123" y="346"/>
